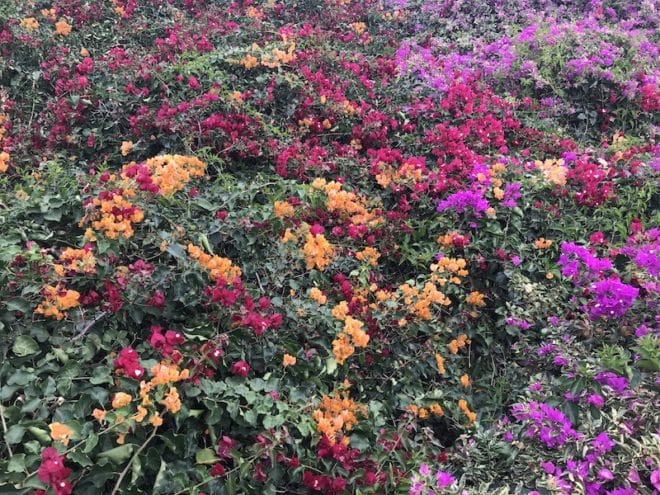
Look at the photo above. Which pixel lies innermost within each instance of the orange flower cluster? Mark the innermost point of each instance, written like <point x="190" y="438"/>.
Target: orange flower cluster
<point x="458" y="343"/>
<point x="554" y="171"/>
<point x="463" y="406"/>
<point x="423" y="412"/>
<point x="408" y="174"/>
<point x="217" y="266"/>
<point x="349" y="338"/>
<point x="475" y="298"/>
<point x="164" y="373"/>
<point x="283" y="209"/>
<point x="272" y="59"/>
<point x="318" y="251"/>
<point x="542" y="243"/>
<point x="29" y="23"/>
<point x="318" y="296"/>
<point x="4" y="156"/>
<point x="60" y="432"/>
<point x="288" y="360"/>
<point x="171" y="401"/>
<point x="172" y="172"/>
<point x="62" y="28"/>
<point x="336" y="415"/>
<point x="57" y="300"/>
<point x="75" y="260"/>
<point x="114" y="215"/>
<point x="454" y="267"/>
<point x="347" y="204"/>
<point x="440" y="362"/>
<point x="368" y="254"/>
<point x="419" y="301"/>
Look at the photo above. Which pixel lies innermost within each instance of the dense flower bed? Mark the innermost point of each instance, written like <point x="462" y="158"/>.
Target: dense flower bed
<point x="396" y="246"/>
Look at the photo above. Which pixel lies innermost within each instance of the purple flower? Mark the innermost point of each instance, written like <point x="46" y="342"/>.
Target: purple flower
<point x="617" y="383"/>
<point x="462" y="200"/>
<point x="603" y="443"/>
<point x="655" y="479"/>
<point x="444" y="479"/>
<point x="612" y="298"/>
<point x="596" y="400"/>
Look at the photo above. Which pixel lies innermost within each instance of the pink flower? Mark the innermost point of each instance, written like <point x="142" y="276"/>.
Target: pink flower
<point x="240" y="368"/>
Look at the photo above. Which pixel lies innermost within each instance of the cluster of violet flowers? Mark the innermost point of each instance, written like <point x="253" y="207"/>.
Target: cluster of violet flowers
<point x="428" y="483"/>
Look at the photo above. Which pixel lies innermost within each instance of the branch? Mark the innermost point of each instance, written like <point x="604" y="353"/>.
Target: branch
<point x="128" y="465"/>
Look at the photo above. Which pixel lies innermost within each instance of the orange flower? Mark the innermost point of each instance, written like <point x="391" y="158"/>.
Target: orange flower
<point x="317" y="295"/>
<point x="120" y="400"/>
<point x="542" y="243"/>
<point x="62" y="28"/>
<point x="171" y="401"/>
<point x="60" y="432"/>
<point x="140" y="414"/>
<point x="475" y="298"/>
<point x="436" y="409"/>
<point x="156" y="420"/>
<point x="283" y="209"/>
<point x="465" y="381"/>
<point x="99" y="415"/>
<point x="288" y="360"/>
<point x="440" y="362"/>
<point x="29" y="23"/>
<point x="126" y="147"/>
<point x="318" y="252"/>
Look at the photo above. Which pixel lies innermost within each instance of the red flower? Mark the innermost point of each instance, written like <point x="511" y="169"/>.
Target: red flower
<point x="225" y="445"/>
<point x="217" y="470"/>
<point x="53" y="472"/>
<point x="128" y="362"/>
<point x="240" y="368"/>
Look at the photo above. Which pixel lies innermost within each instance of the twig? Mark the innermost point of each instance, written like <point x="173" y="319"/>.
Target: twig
<point x="128" y="465"/>
<point x="4" y="430"/>
<point x="88" y="326"/>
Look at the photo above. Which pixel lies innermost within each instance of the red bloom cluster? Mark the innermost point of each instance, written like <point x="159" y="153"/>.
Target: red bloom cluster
<point x="128" y="363"/>
<point x="165" y="343"/>
<point x="53" y="472"/>
<point x="323" y="484"/>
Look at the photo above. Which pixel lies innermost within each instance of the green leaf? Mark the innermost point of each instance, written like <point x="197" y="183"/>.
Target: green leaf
<point x="14" y="434"/>
<point x="118" y="454"/>
<point x="16" y="464"/>
<point x="25" y="346"/>
<point x="206" y="456"/>
<point x="80" y="458"/>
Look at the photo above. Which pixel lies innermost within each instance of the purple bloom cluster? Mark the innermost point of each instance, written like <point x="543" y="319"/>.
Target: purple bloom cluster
<point x="612" y="298"/>
<point x="549" y="424"/>
<point x="573" y="256"/>
<point x="461" y="201"/>
<point x="426" y="484"/>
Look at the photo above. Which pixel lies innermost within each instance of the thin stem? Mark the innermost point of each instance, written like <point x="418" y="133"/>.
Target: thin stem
<point x="128" y="465"/>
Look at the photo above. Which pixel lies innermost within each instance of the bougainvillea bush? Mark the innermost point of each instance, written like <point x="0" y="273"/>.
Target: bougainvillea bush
<point x="365" y="247"/>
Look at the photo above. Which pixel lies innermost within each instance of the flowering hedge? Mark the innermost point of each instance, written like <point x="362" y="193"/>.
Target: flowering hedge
<point x="329" y="247"/>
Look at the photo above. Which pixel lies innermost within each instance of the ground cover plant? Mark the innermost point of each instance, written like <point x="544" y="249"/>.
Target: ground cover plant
<point x="386" y="246"/>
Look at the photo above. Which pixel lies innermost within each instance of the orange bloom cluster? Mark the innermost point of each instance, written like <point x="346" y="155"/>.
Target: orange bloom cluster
<point x="407" y="174"/>
<point x="29" y="23"/>
<point x="114" y="215"/>
<point x="458" y="343"/>
<point x="75" y="260"/>
<point x="348" y="204"/>
<point x="337" y="414"/>
<point x="171" y="401"/>
<point x="318" y="251"/>
<point x="454" y="267"/>
<point x="542" y="243"/>
<point x="62" y="28"/>
<point x="423" y="412"/>
<point x="57" y="300"/>
<point x="272" y="58"/>
<point x="317" y="295"/>
<point x="440" y="362"/>
<point x="4" y="156"/>
<point x="217" y="266"/>
<point x="368" y="254"/>
<point x="283" y="209"/>
<point x="419" y="301"/>
<point x="164" y="373"/>
<point x="463" y="406"/>
<point x="475" y="298"/>
<point x="554" y="171"/>
<point x="288" y="360"/>
<point x="352" y="336"/>
<point x="60" y="432"/>
<point x="172" y="172"/>
<point x="465" y="381"/>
